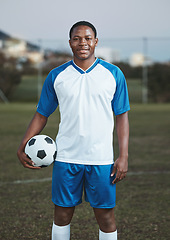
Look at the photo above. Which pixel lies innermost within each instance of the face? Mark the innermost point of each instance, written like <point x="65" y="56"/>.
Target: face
<point x="83" y="43"/>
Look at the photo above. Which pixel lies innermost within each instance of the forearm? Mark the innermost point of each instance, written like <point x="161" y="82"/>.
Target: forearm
<point x="35" y="127"/>
<point x="121" y="164"/>
<point x="122" y="128"/>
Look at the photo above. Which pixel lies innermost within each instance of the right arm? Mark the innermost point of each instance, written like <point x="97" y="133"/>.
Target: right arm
<point x="35" y="127"/>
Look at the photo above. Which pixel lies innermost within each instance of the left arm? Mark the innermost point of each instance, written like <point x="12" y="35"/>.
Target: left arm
<point x="121" y="164"/>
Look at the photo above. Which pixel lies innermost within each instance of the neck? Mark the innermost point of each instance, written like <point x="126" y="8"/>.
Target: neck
<point x="85" y="63"/>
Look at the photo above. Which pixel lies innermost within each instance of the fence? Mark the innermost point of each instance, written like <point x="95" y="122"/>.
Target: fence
<point x="136" y="51"/>
<point x="157" y="49"/>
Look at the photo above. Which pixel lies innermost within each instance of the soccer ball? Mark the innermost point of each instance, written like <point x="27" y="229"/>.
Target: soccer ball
<point x="41" y="149"/>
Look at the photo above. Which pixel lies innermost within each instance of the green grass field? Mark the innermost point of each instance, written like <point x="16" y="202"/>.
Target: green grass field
<point x="26" y="91"/>
<point x="142" y="210"/>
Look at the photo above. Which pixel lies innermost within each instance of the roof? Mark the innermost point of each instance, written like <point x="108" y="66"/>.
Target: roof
<point x="4" y="36"/>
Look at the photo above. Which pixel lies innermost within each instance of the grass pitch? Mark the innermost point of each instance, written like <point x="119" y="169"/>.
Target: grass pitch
<point x="142" y="210"/>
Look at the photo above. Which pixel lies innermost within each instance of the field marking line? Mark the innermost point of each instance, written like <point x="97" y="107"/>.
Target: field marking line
<point x="147" y="172"/>
<point x="27" y="181"/>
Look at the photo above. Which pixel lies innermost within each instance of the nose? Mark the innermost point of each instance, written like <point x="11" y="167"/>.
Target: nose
<point x="82" y="41"/>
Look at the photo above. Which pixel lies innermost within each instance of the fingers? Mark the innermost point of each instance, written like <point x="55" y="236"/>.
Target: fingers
<point x="26" y="161"/>
<point x="27" y="165"/>
<point x="114" y="170"/>
<point x="120" y="175"/>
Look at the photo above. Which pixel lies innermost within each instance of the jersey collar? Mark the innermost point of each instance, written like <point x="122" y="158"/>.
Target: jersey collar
<point x="88" y="70"/>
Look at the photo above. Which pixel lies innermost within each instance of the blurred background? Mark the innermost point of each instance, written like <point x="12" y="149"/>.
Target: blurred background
<point x="132" y="34"/>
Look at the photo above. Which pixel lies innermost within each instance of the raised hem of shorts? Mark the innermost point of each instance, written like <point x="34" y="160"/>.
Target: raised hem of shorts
<point x="103" y="206"/>
<point x="63" y="205"/>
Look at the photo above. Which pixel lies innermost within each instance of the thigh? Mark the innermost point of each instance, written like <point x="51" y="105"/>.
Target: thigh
<point x="99" y="190"/>
<point x="67" y="184"/>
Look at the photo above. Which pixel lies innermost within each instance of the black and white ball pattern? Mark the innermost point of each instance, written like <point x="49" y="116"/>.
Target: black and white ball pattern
<point x="41" y="149"/>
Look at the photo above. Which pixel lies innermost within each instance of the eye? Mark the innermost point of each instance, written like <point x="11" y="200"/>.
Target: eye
<point x="88" y="38"/>
<point x="75" y="39"/>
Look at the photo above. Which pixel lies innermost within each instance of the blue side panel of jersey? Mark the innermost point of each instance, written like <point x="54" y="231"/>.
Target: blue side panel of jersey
<point x="120" y="102"/>
<point x="48" y="100"/>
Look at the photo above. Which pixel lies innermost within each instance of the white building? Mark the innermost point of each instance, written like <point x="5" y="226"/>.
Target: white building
<point x="13" y="47"/>
<point x="108" y="54"/>
<point x="138" y="59"/>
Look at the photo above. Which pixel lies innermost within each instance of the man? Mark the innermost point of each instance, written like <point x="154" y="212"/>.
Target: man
<point x="88" y="90"/>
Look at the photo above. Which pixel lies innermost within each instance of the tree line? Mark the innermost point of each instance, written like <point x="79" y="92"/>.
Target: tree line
<point x="158" y="79"/>
<point x="158" y="75"/>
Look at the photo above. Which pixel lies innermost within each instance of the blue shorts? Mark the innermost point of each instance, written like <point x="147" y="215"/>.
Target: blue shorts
<point x="69" y="180"/>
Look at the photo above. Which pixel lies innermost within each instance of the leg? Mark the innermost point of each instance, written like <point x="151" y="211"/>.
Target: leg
<point x="63" y="215"/>
<point x="105" y="218"/>
<point x="101" y="194"/>
<point x="61" y="224"/>
<point x="65" y="193"/>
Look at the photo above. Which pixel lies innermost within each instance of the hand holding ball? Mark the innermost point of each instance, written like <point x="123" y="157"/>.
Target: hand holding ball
<point x="41" y="149"/>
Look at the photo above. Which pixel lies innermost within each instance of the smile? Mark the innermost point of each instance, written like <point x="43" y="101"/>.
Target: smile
<point x="83" y="50"/>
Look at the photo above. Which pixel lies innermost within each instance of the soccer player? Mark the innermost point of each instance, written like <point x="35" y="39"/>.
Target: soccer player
<point x="87" y="90"/>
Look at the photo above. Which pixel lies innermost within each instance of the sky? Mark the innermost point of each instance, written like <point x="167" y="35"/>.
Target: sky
<point x="52" y="19"/>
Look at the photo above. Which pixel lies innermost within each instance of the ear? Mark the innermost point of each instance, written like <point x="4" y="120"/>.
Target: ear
<point x="96" y="41"/>
<point x="70" y="43"/>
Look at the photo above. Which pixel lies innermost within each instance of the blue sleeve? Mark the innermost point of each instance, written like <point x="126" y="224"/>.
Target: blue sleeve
<point x="120" y="102"/>
<point x="48" y="100"/>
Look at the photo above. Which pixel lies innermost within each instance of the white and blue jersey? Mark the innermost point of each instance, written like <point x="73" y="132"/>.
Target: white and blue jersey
<point x="87" y="100"/>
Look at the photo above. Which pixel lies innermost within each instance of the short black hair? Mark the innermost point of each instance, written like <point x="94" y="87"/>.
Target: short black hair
<point x="83" y="23"/>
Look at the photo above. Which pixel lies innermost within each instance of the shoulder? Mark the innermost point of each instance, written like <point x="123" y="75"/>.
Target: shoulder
<point x="109" y="66"/>
<point x="114" y="70"/>
<point x="54" y="72"/>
